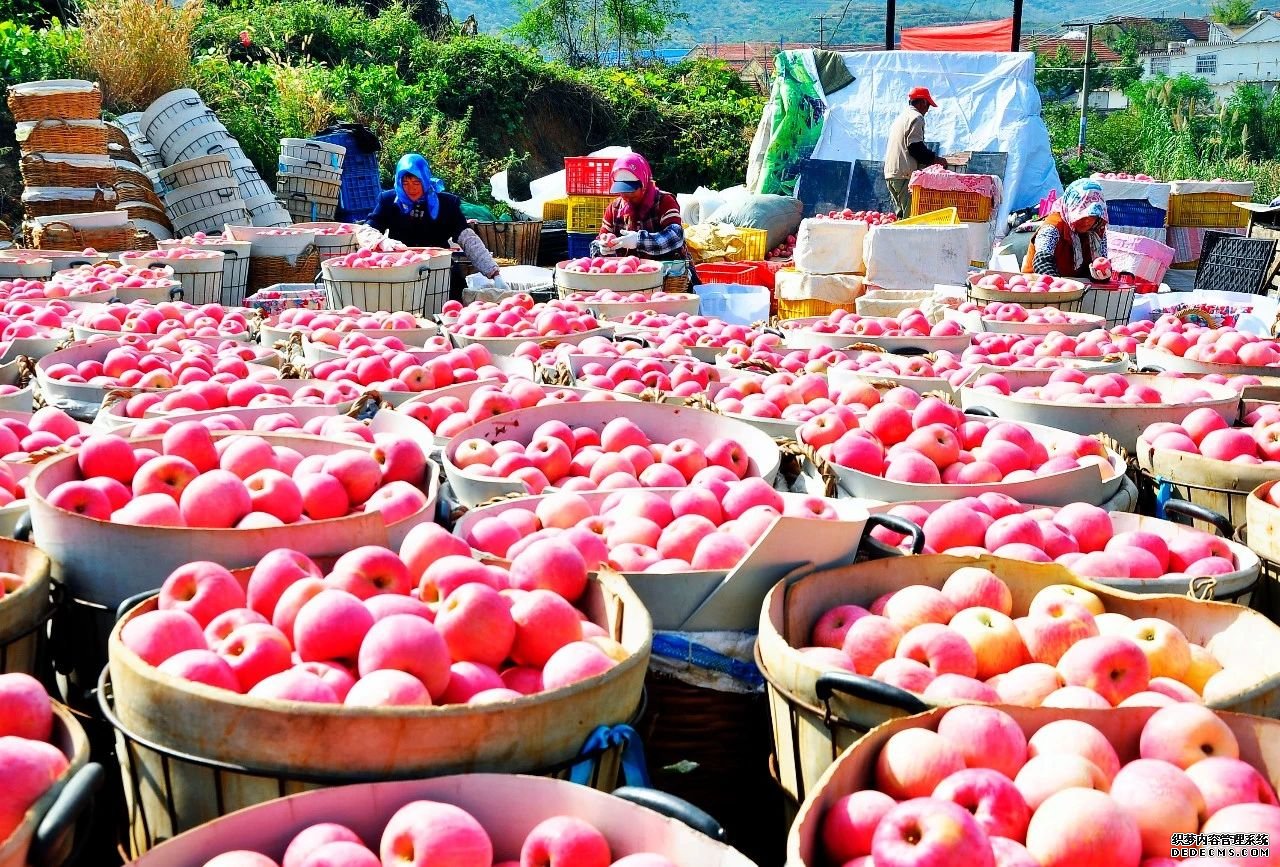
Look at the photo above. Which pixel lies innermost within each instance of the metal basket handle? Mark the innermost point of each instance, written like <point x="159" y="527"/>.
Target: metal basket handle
<point x="74" y="804"/>
<point x="980" y="410"/>
<point x="868" y="689"/>
<point x="1197" y="512"/>
<point x="674" y="808"/>
<point x="897" y="524"/>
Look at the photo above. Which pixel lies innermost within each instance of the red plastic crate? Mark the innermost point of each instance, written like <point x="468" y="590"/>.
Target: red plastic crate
<point x="588" y="176"/>
<point x="742" y="273"/>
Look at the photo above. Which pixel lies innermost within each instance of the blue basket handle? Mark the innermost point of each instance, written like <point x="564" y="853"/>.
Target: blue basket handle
<point x="671" y="646"/>
<point x="1164" y="493"/>
<point x="674" y="808"/>
<point x="634" y="770"/>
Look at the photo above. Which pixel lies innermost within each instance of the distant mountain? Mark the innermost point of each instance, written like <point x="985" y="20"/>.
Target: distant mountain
<point x="862" y="21"/>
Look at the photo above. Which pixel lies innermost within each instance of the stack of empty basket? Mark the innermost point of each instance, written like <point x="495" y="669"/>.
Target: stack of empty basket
<point x="134" y="189"/>
<point x="182" y="128"/>
<point x="309" y="178"/>
<point x="202" y="195"/>
<point x="63" y="142"/>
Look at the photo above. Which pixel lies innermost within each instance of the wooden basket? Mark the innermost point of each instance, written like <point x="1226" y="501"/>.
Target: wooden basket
<point x="517" y="240"/>
<point x="64" y="137"/>
<point x="57" y="235"/>
<point x="278" y="747"/>
<point x="267" y="271"/>
<point x="40" y="171"/>
<point x="818" y="714"/>
<point x="64" y="99"/>
<point x="105" y="199"/>
<point x="25" y="608"/>
<point x="1259" y="741"/>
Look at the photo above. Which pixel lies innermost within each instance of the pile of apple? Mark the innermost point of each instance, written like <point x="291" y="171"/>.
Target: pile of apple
<point x="1004" y="350"/>
<point x="431" y="832"/>
<point x="1123" y="176"/>
<point x="344" y="320"/>
<point x="338" y="229"/>
<point x="203" y="238"/>
<point x="392" y="370"/>
<point x="357" y="341"/>
<point x="924" y="441"/>
<point x="29" y="763"/>
<point x="1212" y="345"/>
<point x="608" y="296"/>
<point x="610" y="265"/>
<point x="340" y="428"/>
<point x="1079" y="536"/>
<point x="1025" y="283"/>
<point x="908" y="323"/>
<point x="518" y="316"/>
<point x="169" y="253"/>
<point x="133" y="367"/>
<point x="104" y="277"/>
<point x="449" y="415"/>
<point x="239" y="481"/>
<point x="20" y="320"/>
<point x="367" y="258"/>
<point x="630" y="375"/>
<point x="168" y="317"/>
<point x="871" y="218"/>
<point x="685" y="330"/>
<point x="784" y="251"/>
<point x="708" y="525"/>
<point x="1074" y="386"/>
<point x="46" y="428"/>
<point x="978" y="791"/>
<point x="583" y="459"/>
<point x="604" y="347"/>
<point x="793" y="398"/>
<point x="1000" y="311"/>
<point x="20" y="288"/>
<point x="212" y="394"/>
<point x="963" y="643"/>
<point x="426" y="626"/>
<point x="1204" y="432"/>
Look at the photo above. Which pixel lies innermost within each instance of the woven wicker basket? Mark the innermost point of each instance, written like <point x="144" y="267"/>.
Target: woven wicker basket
<point x="40" y="171"/>
<point x="63" y="137"/>
<point x="512" y="240"/>
<point x="65" y="99"/>
<point x="57" y="235"/>
<point x="104" y="199"/>
<point x="138" y="210"/>
<point x="129" y="190"/>
<point x="266" y="271"/>
<point x="117" y="136"/>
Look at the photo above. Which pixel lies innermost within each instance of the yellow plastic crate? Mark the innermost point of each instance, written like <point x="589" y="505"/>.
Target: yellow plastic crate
<point x="586" y="213"/>
<point x="1207" y="211"/>
<point x="753" y="248"/>
<point x="972" y="207"/>
<point x="940" y="217"/>
<point x="805" y="308"/>
<point x="555" y="210"/>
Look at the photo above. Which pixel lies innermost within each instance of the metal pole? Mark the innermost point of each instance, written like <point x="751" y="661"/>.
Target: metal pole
<point x="890" y="16"/>
<point x="1084" y="89"/>
<point x="1017" y="26"/>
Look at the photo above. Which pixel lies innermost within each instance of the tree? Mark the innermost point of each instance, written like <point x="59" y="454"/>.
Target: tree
<point x="1232" y="12"/>
<point x="584" y="32"/>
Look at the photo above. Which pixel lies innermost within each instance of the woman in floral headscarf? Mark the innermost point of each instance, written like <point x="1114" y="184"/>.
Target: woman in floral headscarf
<point x="418" y="213"/>
<point x="643" y="220"/>
<point x="1072" y="235"/>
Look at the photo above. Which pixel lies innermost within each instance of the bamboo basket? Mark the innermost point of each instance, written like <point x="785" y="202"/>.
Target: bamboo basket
<point x="818" y="714"/>
<point x="517" y="240"/>
<point x="117" y="136"/>
<point x="62" y="99"/>
<point x="267" y="271"/>
<point x="59" y="201"/>
<point x="59" y="235"/>
<point x="25" y="609"/>
<point x="1259" y="741"/>
<point x="63" y="137"/>
<point x="46" y="170"/>
<point x="242" y="751"/>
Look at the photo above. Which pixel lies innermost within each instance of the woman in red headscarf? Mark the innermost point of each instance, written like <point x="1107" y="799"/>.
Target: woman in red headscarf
<point x="643" y="221"/>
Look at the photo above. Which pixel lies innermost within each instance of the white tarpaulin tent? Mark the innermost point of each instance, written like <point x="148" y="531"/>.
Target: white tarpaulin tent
<point x="987" y="101"/>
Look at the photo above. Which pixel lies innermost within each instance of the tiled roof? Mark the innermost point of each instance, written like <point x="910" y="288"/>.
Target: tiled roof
<point x="1048" y="47"/>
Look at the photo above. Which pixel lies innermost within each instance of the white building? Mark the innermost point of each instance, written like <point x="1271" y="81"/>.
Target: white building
<point x="1233" y="56"/>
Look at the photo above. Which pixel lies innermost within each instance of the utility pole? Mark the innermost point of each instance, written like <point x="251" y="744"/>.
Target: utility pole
<point x="890" y="16"/>
<point x="1017" y="26"/>
<point x="822" y="28"/>
<point x="1084" y="90"/>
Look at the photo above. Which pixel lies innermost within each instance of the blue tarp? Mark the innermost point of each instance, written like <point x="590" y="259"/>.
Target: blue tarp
<point x="987" y="101"/>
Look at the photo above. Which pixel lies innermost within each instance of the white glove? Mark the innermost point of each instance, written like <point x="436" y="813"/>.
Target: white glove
<point x="628" y="241"/>
<point x="500" y="284"/>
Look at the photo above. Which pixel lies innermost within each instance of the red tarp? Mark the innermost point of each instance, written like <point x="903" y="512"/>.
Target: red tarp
<point x="978" y="36"/>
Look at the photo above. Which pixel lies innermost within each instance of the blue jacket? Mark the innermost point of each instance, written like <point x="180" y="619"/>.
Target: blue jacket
<point x="417" y="228"/>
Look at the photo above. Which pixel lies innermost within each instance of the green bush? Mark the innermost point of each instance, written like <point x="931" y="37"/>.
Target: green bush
<point x="27" y="54"/>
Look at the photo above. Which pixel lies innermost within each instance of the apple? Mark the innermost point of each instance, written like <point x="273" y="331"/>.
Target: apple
<point x="1184" y="734"/>
<point x="930" y="831"/>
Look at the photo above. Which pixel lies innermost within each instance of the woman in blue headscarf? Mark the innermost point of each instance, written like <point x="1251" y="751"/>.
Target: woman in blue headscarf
<point x="418" y="213"/>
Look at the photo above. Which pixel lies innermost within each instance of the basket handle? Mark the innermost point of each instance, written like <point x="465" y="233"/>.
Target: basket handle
<point x="897" y="524"/>
<point x="302" y="196"/>
<point x="214" y="149"/>
<point x="1197" y="512"/>
<point x="674" y="808"/>
<point x="866" y="689"/>
<point x="74" y="803"/>
<point x="315" y="163"/>
<point x="177" y="293"/>
<point x="227" y="194"/>
<point x="191" y="101"/>
<point x="980" y="410"/>
<point x="132" y="602"/>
